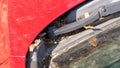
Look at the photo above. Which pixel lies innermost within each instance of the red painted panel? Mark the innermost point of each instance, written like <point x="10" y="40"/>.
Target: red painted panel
<point x="28" y="17"/>
<point x="6" y="64"/>
<point x="4" y="36"/>
<point x="25" y="19"/>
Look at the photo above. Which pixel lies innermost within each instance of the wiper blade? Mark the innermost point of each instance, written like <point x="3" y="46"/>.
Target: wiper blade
<point x="101" y="12"/>
<point x="76" y="25"/>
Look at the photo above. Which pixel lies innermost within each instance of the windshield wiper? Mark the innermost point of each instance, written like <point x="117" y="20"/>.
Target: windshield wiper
<point x="103" y="11"/>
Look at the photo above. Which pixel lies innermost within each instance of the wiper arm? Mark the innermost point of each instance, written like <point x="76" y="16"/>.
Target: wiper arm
<point x="101" y="12"/>
<point x="76" y="25"/>
<point x="110" y="9"/>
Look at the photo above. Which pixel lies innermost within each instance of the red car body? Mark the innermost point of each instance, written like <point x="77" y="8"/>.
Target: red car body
<point x="21" y="21"/>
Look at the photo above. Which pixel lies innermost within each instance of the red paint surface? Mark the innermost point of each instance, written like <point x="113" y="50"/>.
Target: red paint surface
<point x="4" y="33"/>
<point x="25" y="19"/>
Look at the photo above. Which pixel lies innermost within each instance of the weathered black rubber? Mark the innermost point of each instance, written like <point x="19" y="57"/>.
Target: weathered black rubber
<point x="77" y="45"/>
<point x="40" y="57"/>
<point x="34" y="60"/>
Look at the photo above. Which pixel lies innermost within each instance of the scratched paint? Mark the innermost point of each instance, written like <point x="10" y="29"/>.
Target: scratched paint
<point x="4" y="38"/>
